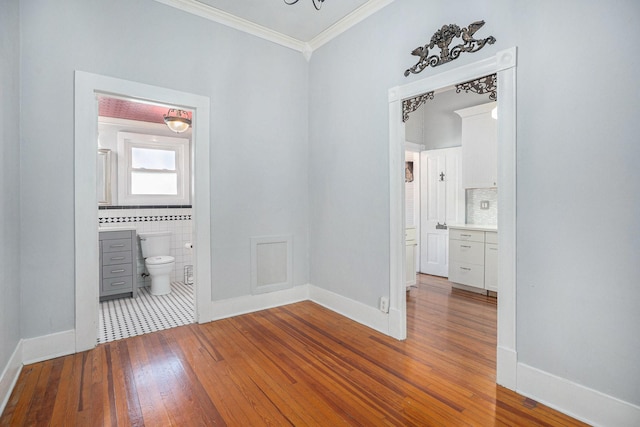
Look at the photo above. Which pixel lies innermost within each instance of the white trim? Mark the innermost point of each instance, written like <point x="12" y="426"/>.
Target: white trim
<point x="10" y="375"/>
<point x="355" y="17"/>
<point x="413" y="147"/>
<point x="575" y="400"/>
<point x="306" y="48"/>
<point x="48" y="346"/>
<point x="250" y="303"/>
<point x="354" y="310"/>
<point x="507" y="358"/>
<point x="503" y="63"/>
<point x="221" y="17"/>
<point x="126" y="141"/>
<point x="87" y="85"/>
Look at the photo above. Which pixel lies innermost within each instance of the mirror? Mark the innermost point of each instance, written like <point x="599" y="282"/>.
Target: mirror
<point x="104" y="177"/>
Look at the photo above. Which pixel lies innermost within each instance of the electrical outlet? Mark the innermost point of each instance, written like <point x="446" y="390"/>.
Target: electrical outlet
<point x="484" y="204"/>
<point x="384" y="304"/>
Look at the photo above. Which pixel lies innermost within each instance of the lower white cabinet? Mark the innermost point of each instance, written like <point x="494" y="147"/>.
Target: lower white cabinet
<point x="473" y="258"/>
<point x="491" y="262"/>
<point x="410" y="265"/>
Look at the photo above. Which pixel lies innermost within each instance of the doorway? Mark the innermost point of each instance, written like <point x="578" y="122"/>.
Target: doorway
<point x="87" y="87"/>
<point x="144" y="186"/>
<point x="504" y="64"/>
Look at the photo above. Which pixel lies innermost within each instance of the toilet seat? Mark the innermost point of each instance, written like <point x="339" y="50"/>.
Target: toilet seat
<point x="158" y="260"/>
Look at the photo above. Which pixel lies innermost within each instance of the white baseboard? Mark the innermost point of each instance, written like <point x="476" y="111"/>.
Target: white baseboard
<point x="506" y="367"/>
<point x="10" y="376"/>
<point x="580" y="402"/>
<point x="248" y="304"/>
<point x="48" y="346"/>
<point x="354" y="310"/>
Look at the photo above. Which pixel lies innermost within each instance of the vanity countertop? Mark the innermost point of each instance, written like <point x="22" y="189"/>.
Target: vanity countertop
<point x="116" y="228"/>
<point x="477" y="227"/>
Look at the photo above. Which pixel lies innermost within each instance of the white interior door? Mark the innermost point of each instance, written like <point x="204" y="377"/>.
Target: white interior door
<point x="442" y="203"/>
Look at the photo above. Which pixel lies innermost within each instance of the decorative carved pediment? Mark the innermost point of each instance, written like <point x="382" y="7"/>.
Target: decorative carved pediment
<point x="442" y="39"/>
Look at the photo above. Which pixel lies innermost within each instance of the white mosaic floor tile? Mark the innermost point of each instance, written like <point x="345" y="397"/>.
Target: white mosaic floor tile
<point x="128" y="317"/>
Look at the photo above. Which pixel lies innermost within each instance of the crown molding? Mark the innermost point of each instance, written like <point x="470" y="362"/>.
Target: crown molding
<point x="216" y="15"/>
<point x="306" y="48"/>
<point x="355" y="17"/>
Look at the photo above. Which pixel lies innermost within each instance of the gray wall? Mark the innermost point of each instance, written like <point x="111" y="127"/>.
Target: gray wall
<point x="577" y="174"/>
<point x="577" y="153"/>
<point x="258" y="93"/>
<point x="9" y="180"/>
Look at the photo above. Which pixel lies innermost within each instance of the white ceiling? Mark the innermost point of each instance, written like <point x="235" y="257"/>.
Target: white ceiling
<point x="300" y="21"/>
<point x="299" y="26"/>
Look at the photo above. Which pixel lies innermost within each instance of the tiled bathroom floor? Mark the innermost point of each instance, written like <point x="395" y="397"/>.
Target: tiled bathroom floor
<point x="128" y="317"/>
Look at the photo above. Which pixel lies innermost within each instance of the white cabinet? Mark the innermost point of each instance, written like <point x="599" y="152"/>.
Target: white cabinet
<point x="473" y="258"/>
<point x="479" y="146"/>
<point x="466" y="257"/>
<point x="410" y="262"/>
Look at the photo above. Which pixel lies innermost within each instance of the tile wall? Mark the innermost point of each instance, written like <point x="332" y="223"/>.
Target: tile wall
<point x="174" y="219"/>
<point x="477" y="215"/>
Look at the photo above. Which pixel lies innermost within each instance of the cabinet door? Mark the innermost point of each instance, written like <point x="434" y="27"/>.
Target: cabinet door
<point x="479" y="147"/>
<point x="491" y="267"/>
<point x="411" y="265"/>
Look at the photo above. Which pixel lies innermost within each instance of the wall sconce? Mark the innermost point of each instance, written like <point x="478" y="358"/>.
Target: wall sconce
<point x="177" y="120"/>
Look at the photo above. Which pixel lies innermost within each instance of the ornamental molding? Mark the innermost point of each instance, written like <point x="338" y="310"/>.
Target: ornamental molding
<point x="412" y="104"/>
<point x="487" y="84"/>
<point x="442" y="39"/>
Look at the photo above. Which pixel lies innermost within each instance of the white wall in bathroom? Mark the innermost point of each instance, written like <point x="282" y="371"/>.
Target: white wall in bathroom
<point x="108" y="129"/>
<point x="177" y="221"/>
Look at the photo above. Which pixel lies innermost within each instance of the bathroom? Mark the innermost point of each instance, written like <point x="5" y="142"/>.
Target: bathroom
<point x="144" y="186"/>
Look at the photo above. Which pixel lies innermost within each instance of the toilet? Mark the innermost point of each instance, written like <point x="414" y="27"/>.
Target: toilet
<point x="155" y="251"/>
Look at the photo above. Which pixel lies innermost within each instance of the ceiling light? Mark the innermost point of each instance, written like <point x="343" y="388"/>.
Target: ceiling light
<point x="177" y="120"/>
<point x="316" y="3"/>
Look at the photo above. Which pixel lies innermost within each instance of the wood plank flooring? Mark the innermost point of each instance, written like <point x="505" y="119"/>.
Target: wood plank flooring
<point x="295" y="365"/>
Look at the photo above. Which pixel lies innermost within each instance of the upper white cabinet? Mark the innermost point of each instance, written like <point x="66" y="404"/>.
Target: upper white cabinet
<point x="479" y="146"/>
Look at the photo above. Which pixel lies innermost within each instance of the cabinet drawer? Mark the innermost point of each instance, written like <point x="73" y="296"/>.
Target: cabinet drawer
<point x="117" y="285"/>
<point x="467" y="274"/>
<point x="116" y="245"/>
<point x="118" y="270"/>
<point x="470" y="235"/>
<point x="491" y="237"/>
<point x="467" y="252"/>
<point x="111" y="258"/>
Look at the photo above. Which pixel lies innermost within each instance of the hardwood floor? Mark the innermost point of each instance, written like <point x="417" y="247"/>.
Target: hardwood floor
<point x="298" y="365"/>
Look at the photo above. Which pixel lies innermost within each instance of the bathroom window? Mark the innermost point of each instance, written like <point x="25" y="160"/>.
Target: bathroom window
<point x="152" y="169"/>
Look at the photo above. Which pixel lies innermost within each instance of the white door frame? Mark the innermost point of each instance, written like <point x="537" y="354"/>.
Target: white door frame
<point x="87" y="86"/>
<point x="504" y="64"/>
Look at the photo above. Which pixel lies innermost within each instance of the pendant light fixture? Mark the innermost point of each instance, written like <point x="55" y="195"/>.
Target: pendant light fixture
<point x="316" y="3"/>
<point x="177" y="120"/>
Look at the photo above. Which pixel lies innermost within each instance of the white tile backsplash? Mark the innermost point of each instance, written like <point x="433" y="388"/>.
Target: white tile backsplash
<point x="476" y="215"/>
<point x="178" y="221"/>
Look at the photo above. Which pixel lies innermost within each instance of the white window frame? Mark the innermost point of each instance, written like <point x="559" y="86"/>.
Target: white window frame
<point x="127" y="141"/>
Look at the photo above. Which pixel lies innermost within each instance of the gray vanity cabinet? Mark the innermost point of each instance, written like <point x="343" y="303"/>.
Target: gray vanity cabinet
<point x="117" y="264"/>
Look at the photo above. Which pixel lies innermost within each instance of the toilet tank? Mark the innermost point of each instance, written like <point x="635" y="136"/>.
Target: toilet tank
<point x="155" y="243"/>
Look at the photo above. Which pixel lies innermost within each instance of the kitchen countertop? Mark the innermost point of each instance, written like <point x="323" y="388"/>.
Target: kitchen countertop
<point x="477" y="227"/>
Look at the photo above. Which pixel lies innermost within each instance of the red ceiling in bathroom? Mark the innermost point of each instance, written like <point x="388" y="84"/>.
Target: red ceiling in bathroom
<point x="131" y="110"/>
